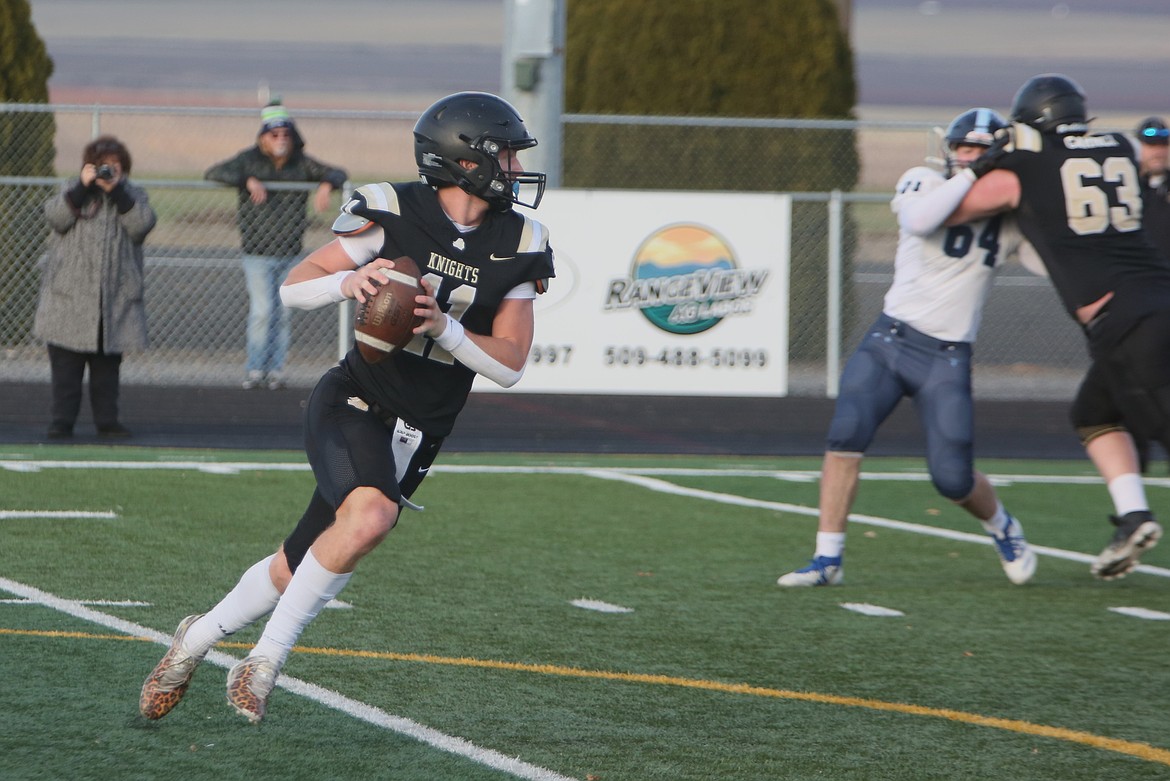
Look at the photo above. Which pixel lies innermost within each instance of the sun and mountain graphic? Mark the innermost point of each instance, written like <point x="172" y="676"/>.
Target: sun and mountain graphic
<point x="684" y="279"/>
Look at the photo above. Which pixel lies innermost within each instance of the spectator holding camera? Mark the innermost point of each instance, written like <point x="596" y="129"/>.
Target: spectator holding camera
<point x="272" y="227"/>
<point x="90" y="309"/>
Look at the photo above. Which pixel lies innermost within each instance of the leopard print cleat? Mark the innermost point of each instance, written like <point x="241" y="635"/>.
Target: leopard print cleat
<point x="248" y="685"/>
<point x="168" y="682"/>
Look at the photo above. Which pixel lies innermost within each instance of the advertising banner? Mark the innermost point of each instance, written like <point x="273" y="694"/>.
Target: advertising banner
<point x="662" y="293"/>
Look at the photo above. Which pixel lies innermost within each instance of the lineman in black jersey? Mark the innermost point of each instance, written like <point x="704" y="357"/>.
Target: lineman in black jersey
<point x="373" y="430"/>
<point x="1076" y="195"/>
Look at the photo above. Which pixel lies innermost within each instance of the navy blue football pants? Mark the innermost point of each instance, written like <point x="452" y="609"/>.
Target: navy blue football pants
<point x="895" y="361"/>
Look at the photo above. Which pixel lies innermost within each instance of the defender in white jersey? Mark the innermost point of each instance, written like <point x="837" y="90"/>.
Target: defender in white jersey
<point x="920" y="347"/>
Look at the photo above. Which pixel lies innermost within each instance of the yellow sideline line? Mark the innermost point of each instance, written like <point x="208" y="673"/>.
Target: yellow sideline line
<point x="1132" y="748"/>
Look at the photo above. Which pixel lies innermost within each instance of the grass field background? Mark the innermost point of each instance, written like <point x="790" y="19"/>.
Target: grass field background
<point x="458" y="652"/>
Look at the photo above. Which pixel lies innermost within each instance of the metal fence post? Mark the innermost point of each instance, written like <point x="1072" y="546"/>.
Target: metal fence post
<point x="345" y="309"/>
<point x="833" y="302"/>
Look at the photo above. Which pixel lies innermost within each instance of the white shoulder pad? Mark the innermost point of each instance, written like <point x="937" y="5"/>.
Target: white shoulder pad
<point x="1025" y="138"/>
<point x="379" y="197"/>
<point x="1135" y="145"/>
<point x="534" y="236"/>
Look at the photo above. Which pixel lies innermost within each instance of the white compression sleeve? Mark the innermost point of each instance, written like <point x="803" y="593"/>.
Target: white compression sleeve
<point x="454" y="340"/>
<point x="314" y="293"/>
<point x="923" y="216"/>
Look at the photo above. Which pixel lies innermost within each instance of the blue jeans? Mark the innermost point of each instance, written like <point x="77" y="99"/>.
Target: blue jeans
<point x="268" y="319"/>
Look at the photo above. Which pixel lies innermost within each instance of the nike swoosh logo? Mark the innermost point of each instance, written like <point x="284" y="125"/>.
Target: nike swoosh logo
<point x="493" y="256"/>
<point x="424" y="471"/>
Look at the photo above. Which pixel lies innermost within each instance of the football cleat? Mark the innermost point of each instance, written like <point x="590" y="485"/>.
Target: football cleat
<point x="248" y="685"/>
<point x="821" y="571"/>
<point x="168" y="682"/>
<point x="1136" y="533"/>
<point x="1016" y="556"/>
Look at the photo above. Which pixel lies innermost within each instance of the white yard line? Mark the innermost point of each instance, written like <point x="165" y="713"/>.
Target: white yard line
<point x="13" y="514"/>
<point x="794" y="475"/>
<point x="869" y="520"/>
<point x="319" y="694"/>
<point x="643" y="476"/>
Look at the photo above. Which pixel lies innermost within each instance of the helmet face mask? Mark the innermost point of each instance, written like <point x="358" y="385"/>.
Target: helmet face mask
<point x="476" y="127"/>
<point x="1051" y="102"/>
<point x="976" y="127"/>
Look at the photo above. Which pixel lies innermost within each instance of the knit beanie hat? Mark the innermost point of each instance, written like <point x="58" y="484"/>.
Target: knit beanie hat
<point x="274" y="115"/>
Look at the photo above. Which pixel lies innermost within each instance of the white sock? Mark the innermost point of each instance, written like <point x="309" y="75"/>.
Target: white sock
<point x="1128" y="494"/>
<point x="996" y="524"/>
<point x="253" y="598"/>
<point x="830" y="544"/>
<point x="311" y="588"/>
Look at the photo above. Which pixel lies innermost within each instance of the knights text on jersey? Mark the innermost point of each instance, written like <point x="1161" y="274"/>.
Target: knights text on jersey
<point x="1080" y="207"/>
<point x="942" y="279"/>
<point x="472" y="272"/>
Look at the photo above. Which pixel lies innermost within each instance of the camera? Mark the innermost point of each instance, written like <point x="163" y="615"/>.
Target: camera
<point x="105" y="171"/>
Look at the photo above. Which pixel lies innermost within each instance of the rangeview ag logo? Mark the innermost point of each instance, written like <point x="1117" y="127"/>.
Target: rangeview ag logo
<point x="684" y="280"/>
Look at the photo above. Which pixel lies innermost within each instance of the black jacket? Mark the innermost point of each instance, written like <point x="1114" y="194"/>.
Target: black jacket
<point x="277" y="226"/>
<point x="1156" y="211"/>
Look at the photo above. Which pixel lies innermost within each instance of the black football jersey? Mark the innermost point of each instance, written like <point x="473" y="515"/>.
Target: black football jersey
<point x="472" y="272"/>
<point x="1081" y="208"/>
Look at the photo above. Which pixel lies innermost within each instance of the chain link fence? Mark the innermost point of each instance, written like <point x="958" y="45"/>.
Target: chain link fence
<point x="197" y="302"/>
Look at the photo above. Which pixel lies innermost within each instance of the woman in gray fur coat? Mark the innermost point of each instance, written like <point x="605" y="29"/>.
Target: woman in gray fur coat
<point x="91" y="309"/>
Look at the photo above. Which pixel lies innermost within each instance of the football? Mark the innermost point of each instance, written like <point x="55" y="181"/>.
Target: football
<point x="386" y="321"/>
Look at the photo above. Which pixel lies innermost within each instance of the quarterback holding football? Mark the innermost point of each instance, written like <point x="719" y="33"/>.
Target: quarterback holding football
<point x="374" y="424"/>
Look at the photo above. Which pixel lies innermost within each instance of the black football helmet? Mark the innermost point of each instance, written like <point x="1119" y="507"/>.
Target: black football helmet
<point x="1051" y="101"/>
<point x="975" y="127"/>
<point x="476" y="126"/>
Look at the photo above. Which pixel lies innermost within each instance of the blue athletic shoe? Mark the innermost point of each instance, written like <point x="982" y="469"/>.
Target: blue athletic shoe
<point x="1017" y="558"/>
<point x="821" y="571"/>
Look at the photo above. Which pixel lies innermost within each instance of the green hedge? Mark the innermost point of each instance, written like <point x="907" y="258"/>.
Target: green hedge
<point x="733" y="58"/>
<point x="26" y="149"/>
